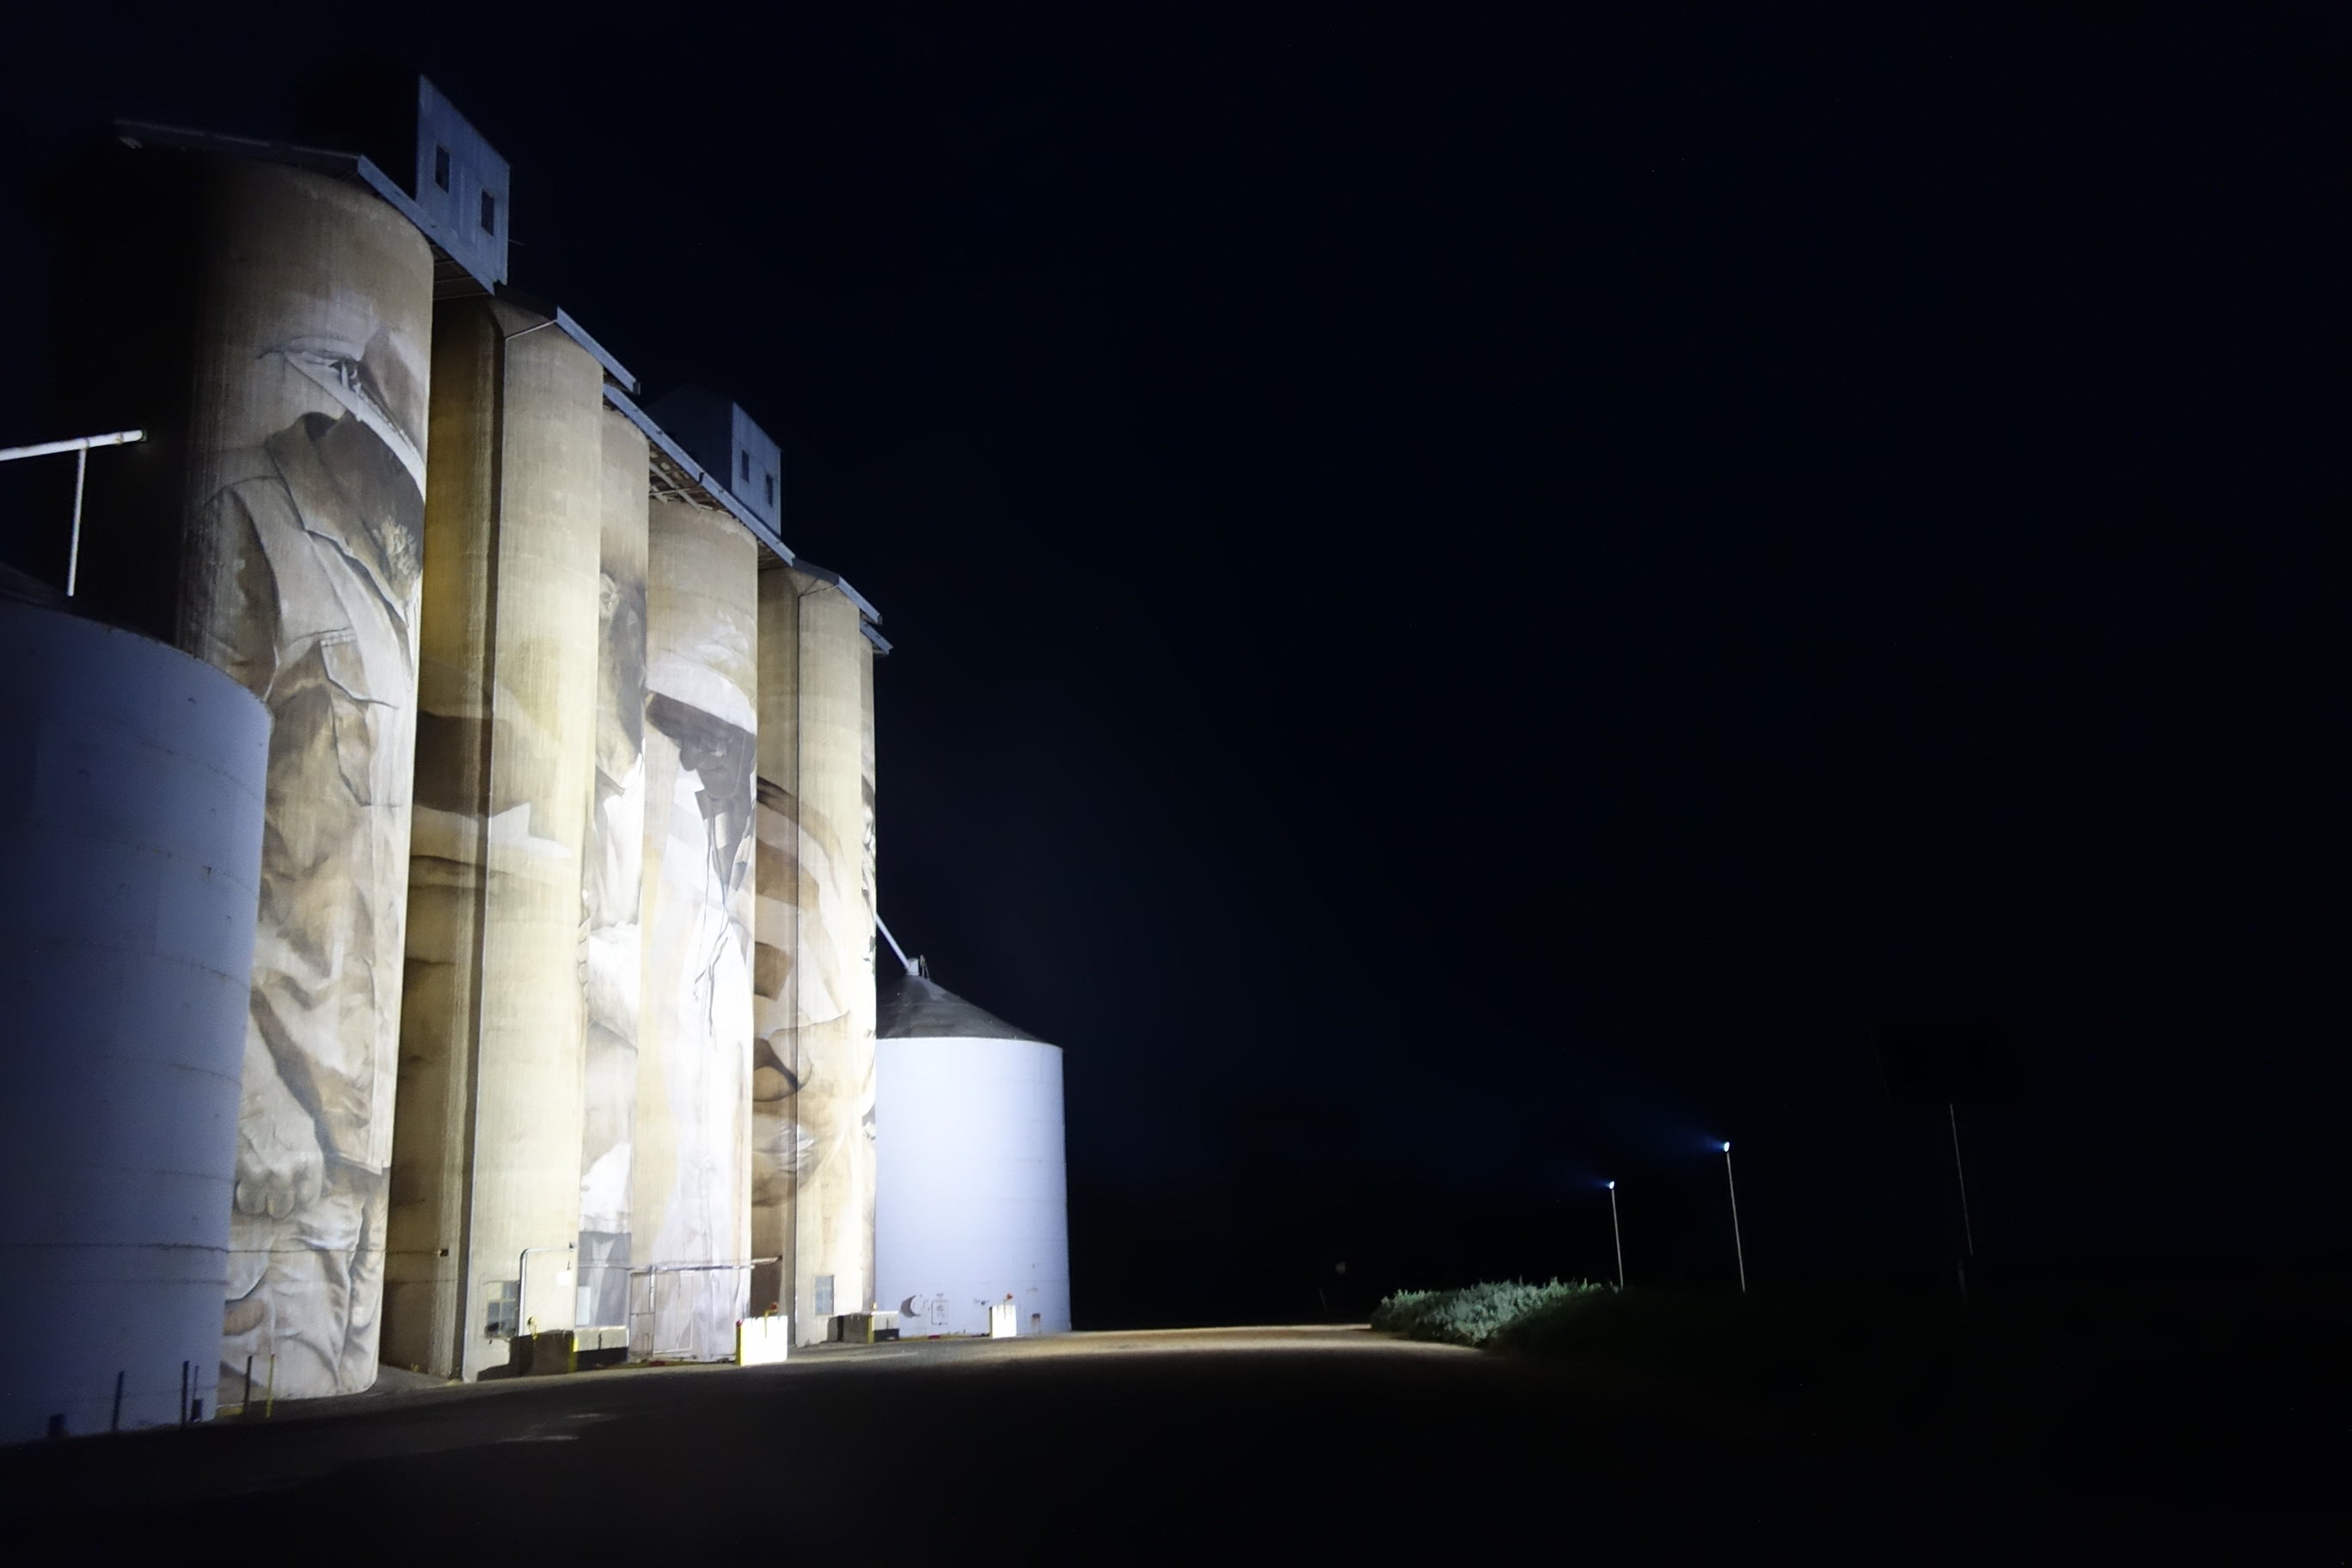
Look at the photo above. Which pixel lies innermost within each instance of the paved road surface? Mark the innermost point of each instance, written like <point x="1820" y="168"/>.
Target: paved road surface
<point x="1308" y="1445"/>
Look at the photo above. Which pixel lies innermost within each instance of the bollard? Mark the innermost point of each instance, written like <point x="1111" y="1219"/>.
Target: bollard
<point x="245" y="1408"/>
<point x="183" y="1392"/>
<point x="269" y="1398"/>
<point x="116" y="1425"/>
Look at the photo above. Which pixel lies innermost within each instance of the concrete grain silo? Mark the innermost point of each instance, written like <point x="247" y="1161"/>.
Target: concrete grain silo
<point x="279" y="357"/>
<point x="131" y="824"/>
<point x="487" y="1157"/>
<point x="813" y="1083"/>
<point x="266" y="312"/>
<point x="692" y="1177"/>
<point x="972" y="1206"/>
<point x="612" y="885"/>
<point x="522" y="748"/>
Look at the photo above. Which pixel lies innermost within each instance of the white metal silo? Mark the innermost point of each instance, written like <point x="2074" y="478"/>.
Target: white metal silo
<point x="970" y="1201"/>
<point x="130" y="824"/>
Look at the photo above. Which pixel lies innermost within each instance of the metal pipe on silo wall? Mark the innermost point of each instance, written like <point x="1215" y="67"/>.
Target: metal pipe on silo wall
<point x="612" y="884"/>
<point x="817" y="1145"/>
<point x="692" y="1177"/>
<point x="300" y="450"/>
<point x="488" y="1159"/>
<point x="132" y="828"/>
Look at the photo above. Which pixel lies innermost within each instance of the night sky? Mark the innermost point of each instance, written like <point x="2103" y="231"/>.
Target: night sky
<point x="1472" y="597"/>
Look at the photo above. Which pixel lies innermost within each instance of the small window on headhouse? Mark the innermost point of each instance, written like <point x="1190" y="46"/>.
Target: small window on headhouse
<point x="441" y="167"/>
<point x="747" y="466"/>
<point x="771" y="490"/>
<point x="489" y="213"/>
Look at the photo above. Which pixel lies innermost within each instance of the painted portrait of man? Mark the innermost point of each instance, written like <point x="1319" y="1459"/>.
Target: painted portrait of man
<point x="322" y="523"/>
<point x="699" y="1006"/>
<point x="611" y="887"/>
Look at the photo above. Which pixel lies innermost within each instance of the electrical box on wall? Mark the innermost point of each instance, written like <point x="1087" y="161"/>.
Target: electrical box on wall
<point x="731" y="447"/>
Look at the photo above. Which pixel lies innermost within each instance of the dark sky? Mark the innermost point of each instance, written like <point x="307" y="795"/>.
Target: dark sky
<point x="1471" y="596"/>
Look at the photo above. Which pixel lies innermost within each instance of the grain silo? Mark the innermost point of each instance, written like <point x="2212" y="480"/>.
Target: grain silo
<point x="267" y="313"/>
<point x="971" y="1209"/>
<point x="691" y="1178"/>
<point x="813" y="1078"/>
<point x="131" y="823"/>
<point x="612" y="885"/>
<point x="273" y="528"/>
<point x="486" y="1212"/>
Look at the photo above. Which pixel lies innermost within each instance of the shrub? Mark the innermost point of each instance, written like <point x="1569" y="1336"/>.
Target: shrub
<point x="1476" y="1315"/>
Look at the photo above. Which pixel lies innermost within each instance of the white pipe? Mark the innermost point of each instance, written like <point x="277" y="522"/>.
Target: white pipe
<point x="893" y="940"/>
<point x="80" y="447"/>
<point x="1618" y="1233"/>
<point x="78" y="444"/>
<point x="73" y="544"/>
<point x="1967" y="1228"/>
<point x="1740" y="1251"/>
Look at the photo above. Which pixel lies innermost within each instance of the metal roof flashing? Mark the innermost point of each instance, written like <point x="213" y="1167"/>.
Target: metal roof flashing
<point x="571" y="329"/>
<point x="867" y="613"/>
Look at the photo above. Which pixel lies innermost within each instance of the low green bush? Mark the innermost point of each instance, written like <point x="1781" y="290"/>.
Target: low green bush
<point x="1475" y="1316"/>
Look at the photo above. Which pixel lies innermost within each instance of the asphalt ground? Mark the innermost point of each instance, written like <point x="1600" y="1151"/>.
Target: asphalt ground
<point x="1307" y="1444"/>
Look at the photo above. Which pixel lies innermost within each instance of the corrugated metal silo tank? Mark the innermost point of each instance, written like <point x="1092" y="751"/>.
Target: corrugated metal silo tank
<point x="131" y="824"/>
<point x="972" y="1206"/>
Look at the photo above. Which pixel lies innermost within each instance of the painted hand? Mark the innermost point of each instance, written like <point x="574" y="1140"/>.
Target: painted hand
<point x="280" y="1167"/>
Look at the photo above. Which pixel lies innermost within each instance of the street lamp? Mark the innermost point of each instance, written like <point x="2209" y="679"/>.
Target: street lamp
<point x="1733" y="1188"/>
<point x="1618" y="1232"/>
<point x="80" y="447"/>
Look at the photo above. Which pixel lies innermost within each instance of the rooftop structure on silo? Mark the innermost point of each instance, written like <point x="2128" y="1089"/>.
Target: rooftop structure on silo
<point x="730" y="447"/>
<point x="456" y="180"/>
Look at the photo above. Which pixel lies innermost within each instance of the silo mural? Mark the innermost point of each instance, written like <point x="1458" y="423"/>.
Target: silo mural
<point x="512" y="524"/>
<point x="302" y="550"/>
<point x="778" y="1151"/>
<point x="816" y="1046"/>
<point x="690" y="1211"/>
<point x="510" y="1057"/>
<point x="611" y="885"/>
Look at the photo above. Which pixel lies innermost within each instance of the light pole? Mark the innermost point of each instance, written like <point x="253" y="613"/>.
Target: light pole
<point x="80" y="447"/>
<point x="1733" y="1188"/>
<point x="1618" y="1232"/>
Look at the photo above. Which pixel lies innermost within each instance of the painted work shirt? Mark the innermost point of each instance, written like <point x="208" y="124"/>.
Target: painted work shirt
<point x="329" y="520"/>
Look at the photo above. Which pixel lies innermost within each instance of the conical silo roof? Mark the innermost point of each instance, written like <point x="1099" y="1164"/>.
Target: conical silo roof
<point x="918" y="1007"/>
